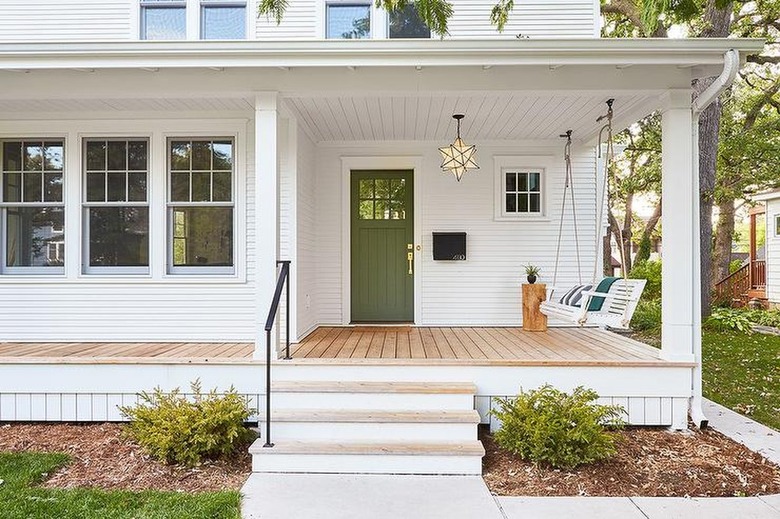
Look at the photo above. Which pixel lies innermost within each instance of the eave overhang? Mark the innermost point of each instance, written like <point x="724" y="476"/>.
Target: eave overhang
<point x="699" y="52"/>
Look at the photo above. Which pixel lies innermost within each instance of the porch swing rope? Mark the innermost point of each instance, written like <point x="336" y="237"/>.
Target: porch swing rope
<point x="569" y="185"/>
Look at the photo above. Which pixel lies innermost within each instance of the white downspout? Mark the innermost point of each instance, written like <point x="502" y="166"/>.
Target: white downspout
<point x="702" y="101"/>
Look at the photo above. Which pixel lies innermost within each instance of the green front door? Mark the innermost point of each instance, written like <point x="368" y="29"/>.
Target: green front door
<point x="382" y="213"/>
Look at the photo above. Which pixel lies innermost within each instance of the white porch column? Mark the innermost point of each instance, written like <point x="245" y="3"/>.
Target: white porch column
<point x="266" y="210"/>
<point x="680" y="288"/>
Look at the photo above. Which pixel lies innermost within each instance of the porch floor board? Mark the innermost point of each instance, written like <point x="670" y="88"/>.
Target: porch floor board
<point x="399" y="345"/>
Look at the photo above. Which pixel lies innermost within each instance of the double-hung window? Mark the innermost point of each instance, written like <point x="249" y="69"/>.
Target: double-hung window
<point x="201" y="205"/>
<point x="163" y="19"/>
<point x="348" y="20"/>
<point x="222" y="20"/>
<point x="116" y="205"/>
<point x="31" y="206"/>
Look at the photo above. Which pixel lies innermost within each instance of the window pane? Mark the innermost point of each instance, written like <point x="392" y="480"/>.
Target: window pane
<point x="511" y="203"/>
<point x="522" y="181"/>
<point x="201" y="156"/>
<point x="52" y="156"/>
<point x="180" y="155"/>
<point x="33" y="236"/>
<point x="533" y="181"/>
<point x="349" y="21"/>
<point x="52" y="184"/>
<point x="201" y="187"/>
<point x="522" y="203"/>
<point x="33" y="156"/>
<point x="12" y="156"/>
<point x="118" y="236"/>
<point x="117" y="155"/>
<point x="32" y="187"/>
<point x="222" y="187"/>
<point x="96" y="155"/>
<point x="223" y="155"/>
<point x="136" y="187"/>
<point x="202" y="236"/>
<point x="382" y="188"/>
<point x="366" y="210"/>
<point x="535" y="205"/>
<point x="381" y="210"/>
<point x="96" y="187"/>
<point x="406" y="23"/>
<point x="224" y="23"/>
<point x="180" y="187"/>
<point x="511" y="182"/>
<point x="116" y="187"/>
<point x="136" y="155"/>
<point x="12" y="187"/>
<point x="366" y="188"/>
<point x="164" y="23"/>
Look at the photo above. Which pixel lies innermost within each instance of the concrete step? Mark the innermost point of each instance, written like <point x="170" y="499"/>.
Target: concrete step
<point x="370" y="457"/>
<point x="323" y="424"/>
<point x="372" y="395"/>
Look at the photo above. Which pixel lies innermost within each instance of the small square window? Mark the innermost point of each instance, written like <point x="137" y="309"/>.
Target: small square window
<point x="223" y="20"/>
<point x="777" y="225"/>
<point x="522" y="192"/>
<point x="348" y="21"/>
<point x="406" y="23"/>
<point x="163" y="19"/>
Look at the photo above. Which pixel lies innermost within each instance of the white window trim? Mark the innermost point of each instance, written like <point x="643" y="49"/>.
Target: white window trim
<point x="380" y="19"/>
<point x="532" y="163"/>
<point x="193" y="16"/>
<point x="213" y="271"/>
<point x="776" y="219"/>
<point x="85" y="207"/>
<point x="33" y="272"/>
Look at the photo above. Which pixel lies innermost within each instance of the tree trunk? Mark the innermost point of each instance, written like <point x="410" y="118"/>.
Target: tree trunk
<point x="723" y="237"/>
<point x="607" y="260"/>
<point x="717" y="24"/>
<point x="625" y="234"/>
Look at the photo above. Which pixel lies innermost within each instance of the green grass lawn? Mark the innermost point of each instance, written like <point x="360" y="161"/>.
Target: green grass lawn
<point x="22" y="498"/>
<point x="742" y="372"/>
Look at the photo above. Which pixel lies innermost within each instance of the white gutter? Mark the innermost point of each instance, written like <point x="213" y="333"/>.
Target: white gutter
<point x="702" y="101"/>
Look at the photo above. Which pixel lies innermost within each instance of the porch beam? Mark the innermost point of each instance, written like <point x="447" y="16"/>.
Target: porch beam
<point x="266" y="209"/>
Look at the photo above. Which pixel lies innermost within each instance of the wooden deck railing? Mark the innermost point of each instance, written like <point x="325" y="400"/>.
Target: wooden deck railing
<point x="736" y="285"/>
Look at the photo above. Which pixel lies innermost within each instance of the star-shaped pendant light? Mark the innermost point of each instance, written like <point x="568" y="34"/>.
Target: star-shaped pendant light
<point x="457" y="158"/>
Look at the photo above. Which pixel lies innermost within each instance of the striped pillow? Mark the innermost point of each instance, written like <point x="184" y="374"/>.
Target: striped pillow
<point x="574" y="296"/>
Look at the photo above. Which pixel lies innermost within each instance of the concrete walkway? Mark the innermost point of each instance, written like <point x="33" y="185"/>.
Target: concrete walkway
<point x="341" y="496"/>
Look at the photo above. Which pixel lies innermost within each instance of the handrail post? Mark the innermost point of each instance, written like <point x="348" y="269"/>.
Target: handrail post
<point x="268" y="390"/>
<point x="287" y="319"/>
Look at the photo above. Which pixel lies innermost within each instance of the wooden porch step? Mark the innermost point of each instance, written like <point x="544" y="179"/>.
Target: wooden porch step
<point x="373" y="416"/>
<point x="383" y="448"/>
<point x="374" y="387"/>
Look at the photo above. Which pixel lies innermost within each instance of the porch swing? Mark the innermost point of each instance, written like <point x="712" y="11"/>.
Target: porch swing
<point x="613" y="301"/>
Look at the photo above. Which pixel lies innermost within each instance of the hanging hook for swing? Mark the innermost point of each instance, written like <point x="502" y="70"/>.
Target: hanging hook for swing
<point x="607" y="126"/>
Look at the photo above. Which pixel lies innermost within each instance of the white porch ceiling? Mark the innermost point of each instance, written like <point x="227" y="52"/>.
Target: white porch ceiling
<point x="488" y="117"/>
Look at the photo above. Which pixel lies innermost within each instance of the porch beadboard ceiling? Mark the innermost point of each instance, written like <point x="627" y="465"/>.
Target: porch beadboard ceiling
<point x="429" y="118"/>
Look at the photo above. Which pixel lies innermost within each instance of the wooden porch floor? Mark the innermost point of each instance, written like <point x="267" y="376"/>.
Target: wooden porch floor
<point x="375" y="345"/>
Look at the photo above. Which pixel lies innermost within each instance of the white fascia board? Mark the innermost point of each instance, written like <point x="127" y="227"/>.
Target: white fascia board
<point x="367" y="53"/>
<point x="766" y="196"/>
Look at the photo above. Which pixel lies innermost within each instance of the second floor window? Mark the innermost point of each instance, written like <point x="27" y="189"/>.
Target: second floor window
<point x="163" y="19"/>
<point x="348" y="21"/>
<point x="222" y="20"/>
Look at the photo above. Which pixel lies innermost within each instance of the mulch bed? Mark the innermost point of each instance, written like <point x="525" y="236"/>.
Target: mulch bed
<point x="649" y="462"/>
<point x="102" y="457"/>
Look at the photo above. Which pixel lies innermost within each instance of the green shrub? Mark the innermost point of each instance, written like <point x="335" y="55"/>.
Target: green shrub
<point x="175" y="428"/>
<point x="764" y="317"/>
<point x="724" y="319"/>
<point x="647" y="316"/>
<point x="651" y="271"/>
<point x="556" y="428"/>
<point x="734" y="265"/>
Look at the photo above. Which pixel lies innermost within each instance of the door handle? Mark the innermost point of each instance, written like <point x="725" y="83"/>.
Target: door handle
<point x="410" y="259"/>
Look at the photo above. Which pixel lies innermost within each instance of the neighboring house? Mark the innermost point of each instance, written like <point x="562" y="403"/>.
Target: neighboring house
<point x="748" y="284"/>
<point x="771" y="200"/>
<point x="173" y="175"/>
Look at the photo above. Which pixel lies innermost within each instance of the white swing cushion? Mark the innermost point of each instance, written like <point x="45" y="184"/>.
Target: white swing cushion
<point x="574" y="296"/>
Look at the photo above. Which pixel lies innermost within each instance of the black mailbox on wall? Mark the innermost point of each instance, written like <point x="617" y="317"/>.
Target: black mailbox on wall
<point x="449" y="245"/>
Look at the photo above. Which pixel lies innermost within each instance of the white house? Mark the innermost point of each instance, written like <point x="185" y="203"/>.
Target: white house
<point x="771" y="201"/>
<point x="173" y="151"/>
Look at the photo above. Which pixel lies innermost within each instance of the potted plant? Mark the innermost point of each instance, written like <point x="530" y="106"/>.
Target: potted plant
<point x="532" y="272"/>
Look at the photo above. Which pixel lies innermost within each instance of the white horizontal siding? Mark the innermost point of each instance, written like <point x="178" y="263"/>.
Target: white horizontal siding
<point x="484" y="289"/>
<point x="300" y="22"/>
<point x="306" y="235"/>
<point x="772" y="253"/>
<point x="531" y="18"/>
<point x="39" y="20"/>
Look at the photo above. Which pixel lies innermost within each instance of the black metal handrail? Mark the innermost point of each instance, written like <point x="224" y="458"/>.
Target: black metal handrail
<point x="284" y="279"/>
